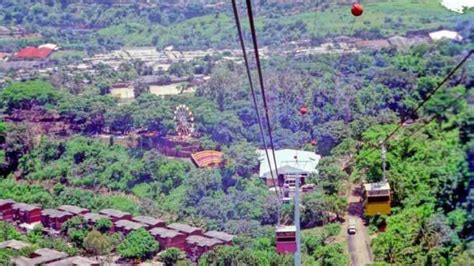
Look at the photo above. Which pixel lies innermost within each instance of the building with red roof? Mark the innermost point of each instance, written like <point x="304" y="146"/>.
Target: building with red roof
<point x="31" y="53"/>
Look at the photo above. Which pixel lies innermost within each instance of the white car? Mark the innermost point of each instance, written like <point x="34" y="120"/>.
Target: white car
<point x="351" y="229"/>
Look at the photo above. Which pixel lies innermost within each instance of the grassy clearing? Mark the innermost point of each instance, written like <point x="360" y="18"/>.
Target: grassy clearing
<point x="390" y="17"/>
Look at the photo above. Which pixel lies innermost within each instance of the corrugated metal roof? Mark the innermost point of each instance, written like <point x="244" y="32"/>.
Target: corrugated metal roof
<point x="307" y="162"/>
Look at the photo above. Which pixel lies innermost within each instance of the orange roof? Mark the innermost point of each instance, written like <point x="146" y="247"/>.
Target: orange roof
<point x="208" y="158"/>
<point x="33" y="53"/>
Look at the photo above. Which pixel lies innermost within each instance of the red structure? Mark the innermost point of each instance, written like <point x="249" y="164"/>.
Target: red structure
<point x="198" y="245"/>
<point x="224" y="237"/>
<point x="185" y="229"/>
<point x="286" y="239"/>
<point x="168" y="238"/>
<point x="6" y="211"/>
<point x="26" y="213"/>
<point x="73" y="209"/>
<point x="116" y="215"/>
<point x="150" y="222"/>
<point x="357" y="9"/>
<point x="127" y="226"/>
<point x="208" y="159"/>
<point x="303" y="110"/>
<point x="51" y="218"/>
<point x="33" y="53"/>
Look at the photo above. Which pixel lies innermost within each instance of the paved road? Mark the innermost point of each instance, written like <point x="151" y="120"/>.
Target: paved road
<point x="359" y="243"/>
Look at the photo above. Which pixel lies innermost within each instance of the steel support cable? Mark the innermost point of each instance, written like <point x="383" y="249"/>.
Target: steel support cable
<point x="260" y="77"/>
<point x="419" y="106"/>
<point x="445" y="108"/>
<point x="254" y="97"/>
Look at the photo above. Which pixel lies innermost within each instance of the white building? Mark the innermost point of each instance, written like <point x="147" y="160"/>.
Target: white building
<point x="290" y="163"/>
<point x="445" y="34"/>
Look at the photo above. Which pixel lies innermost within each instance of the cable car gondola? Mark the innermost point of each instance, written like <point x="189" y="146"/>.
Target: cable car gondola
<point x="286" y="239"/>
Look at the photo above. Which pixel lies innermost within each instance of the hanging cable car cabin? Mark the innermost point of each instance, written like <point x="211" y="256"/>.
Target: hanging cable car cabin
<point x="286" y="239"/>
<point x="377" y="198"/>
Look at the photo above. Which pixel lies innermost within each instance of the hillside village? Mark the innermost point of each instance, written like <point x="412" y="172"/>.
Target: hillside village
<point x="169" y="133"/>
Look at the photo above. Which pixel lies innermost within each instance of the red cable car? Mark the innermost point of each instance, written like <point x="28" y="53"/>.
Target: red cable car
<point x="357" y="9"/>
<point x="314" y="142"/>
<point x="286" y="239"/>
<point x="303" y="110"/>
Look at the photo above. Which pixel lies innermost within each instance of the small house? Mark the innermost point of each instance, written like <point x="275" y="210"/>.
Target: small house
<point x="224" y="237"/>
<point x="6" y="211"/>
<point x="51" y="218"/>
<point x="116" y="215"/>
<point x="185" y="229"/>
<point x="73" y="209"/>
<point x="168" y="238"/>
<point x="26" y="213"/>
<point x="127" y="226"/>
<point x="150" y="222"/>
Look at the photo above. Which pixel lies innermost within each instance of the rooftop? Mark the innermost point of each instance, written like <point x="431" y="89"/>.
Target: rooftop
<point x="377" y="186"/>
<point x="219" y="235"/>
<point x="183" y="228"/>
<point x="377" y="189"/>
<point x="94" y="216"/>
<point x="147" y="220"/>
<point x="77" y="260"/>
<point x="53" y="213"/>
<point x="72" y="209"/>
<point x="286" y="228"/>
<point x="33" y="52"/>
<point x="14" y="244"/>
<point x="307" y="161"/>
<point x="45" y="255"/>
<point x="445" y="34"/>
<point x="203" y="241"/>
<point x="164" y="233"/>
<point x="6" y="201"/>
<point x="128" y="225"/>
<point x="25" y="207"/>
<point x="114" y="213"/>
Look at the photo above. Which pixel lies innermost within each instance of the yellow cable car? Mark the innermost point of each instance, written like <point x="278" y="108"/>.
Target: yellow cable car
<point x="377" y="197"/>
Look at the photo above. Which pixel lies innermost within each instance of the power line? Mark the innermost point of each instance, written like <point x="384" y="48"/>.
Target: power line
<point x="260" y="77"/>
<point x="254" y="98"/>
<point x="262" y="87"/>
<point x="421" y="104"/>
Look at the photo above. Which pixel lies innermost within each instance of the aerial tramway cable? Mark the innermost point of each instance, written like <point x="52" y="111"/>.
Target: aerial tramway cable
<point x="422" y="103"/>
<point x="260" y="77"/>
<point x="254" y="97"/>
<point x="262" y="87"/>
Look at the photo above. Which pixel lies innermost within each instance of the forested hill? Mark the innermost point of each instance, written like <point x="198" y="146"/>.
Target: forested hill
<point x="95" y="27"/>
<point x="66" y="139"/>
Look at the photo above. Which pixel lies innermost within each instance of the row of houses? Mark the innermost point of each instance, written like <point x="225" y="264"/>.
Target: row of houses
<point x="45" y="256"/>
<point x="191" y="240"/>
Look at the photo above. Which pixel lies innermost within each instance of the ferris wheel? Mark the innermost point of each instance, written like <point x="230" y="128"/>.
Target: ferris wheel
<point x="184" y="120"/>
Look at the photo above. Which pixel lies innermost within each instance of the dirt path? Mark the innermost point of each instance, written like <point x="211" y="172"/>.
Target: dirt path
<point x="359" y="243"/>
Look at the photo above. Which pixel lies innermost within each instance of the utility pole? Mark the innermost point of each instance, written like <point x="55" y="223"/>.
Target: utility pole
<point x="297" y="217"/>
<point x="384" y="158"/>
